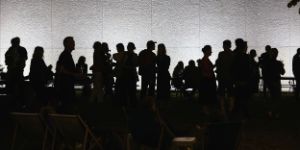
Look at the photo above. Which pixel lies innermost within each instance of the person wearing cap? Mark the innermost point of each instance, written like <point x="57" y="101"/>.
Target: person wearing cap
<point x="147" y="69"/>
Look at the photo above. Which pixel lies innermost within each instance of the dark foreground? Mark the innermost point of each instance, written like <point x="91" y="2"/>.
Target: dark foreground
<point x="258" y="132"/>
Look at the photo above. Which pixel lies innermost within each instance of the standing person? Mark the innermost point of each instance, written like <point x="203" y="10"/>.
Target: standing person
<point x="241" y="70"/>
<point x="130" y="74"/>
<point x="274" y="70"/>
<point x="39" y="75"/>
<point x="98" y="73"/>
<point x="296" y="71"/>
<point x="15" y="59"/>
<point x="108" y="72"/>
<point x="120" y="58"/>
<point x="224" y="76"/>
<point x="263" y="59"/>
<point x="254" y="71"/>
<point x="147" y="69"/>
<point x="163" y="75"/>
<point x="66" y="75"/>
<point x="208" y="83"/>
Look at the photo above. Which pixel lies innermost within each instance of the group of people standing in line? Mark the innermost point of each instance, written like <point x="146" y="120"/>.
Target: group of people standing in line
<point x="236" y="72"/>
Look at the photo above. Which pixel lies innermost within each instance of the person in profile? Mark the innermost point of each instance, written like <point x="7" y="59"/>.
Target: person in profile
<point x="224" y="76"/>
<point x="66" y="75"/>
<point x="254" y="71"/>
<point x="274" y="70"/>
<point x="147" y="69"/>
<point x="15" y="59"/>
<point x="120" y="58"/>
<point x="262" y="60"/>
<point x="82" y="68"/>
<point x="40" y="74"/>
<point x="296" y="72"/>
<point x="130" y="74"/>
<point x="163" y="74"/>
<point x="208" y="83"/>
<point x="177" y="76"/>
<point x="98" y="69"/>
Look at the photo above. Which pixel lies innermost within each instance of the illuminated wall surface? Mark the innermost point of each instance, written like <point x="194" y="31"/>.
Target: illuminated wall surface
<point x="183" y="25"/>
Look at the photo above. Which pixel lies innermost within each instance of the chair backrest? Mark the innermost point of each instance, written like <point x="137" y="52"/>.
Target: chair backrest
<point x="223" y="135"/>
<point x="70" y="127"/>
<point x="30" y="124"/>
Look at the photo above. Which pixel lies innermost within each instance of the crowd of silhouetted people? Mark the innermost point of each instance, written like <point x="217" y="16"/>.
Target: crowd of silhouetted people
<point x="226" y="85"/>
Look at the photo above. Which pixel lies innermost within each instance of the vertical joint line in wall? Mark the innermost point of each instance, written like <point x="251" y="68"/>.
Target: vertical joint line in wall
<point x="102" y="21"/>
<point x="51" y="26"/>
<point x="199" y="11"/>
<point x="151" y="21"/>
<point x="246" y="18"/>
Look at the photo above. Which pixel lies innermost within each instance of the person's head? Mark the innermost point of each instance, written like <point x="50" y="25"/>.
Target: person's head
<point x="180" y="64"/>
<point x="274" y="53"/>
<point x="226" y="45"/>
<point x="244" y="47"/>
<point x="161" y="49"/>
<point x="120" y="47"/>
<point x="105" y="47"/>
<point x="97" y="45"/>
<point x="81" y="60"/>
<point x="252" y="53"/>
<point x="38" y="52"/>
<point x="69" y="43"/>
<point x="207" y="50"/>
<point x="268" y="48"/>
<point x="239" y="43"/>
<point x="298" y="51"/>
<point x="151" y="45"/>
<point x="131" y="47"/>
<point x="15" y="41"/>
<point x="192" y="63"/>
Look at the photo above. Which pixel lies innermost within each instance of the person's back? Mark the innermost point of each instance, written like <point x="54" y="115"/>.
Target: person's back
<point x="224" y="64"/>
<point x="147" y="62"/>
<point x="191" y="76"/>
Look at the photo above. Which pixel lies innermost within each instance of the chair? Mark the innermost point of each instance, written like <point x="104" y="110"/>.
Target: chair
<point x="223" y="136"/>
<point x="74" y="132"/>
<point x="32" y="128"/>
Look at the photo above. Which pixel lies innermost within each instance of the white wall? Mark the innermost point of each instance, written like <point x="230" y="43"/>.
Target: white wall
<point x="183" y="25"/>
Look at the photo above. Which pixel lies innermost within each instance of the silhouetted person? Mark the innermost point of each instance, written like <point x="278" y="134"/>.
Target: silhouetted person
<point x="224" y="76"/>
<point x="66" y="75"/>
<point x="274" y="70"/>
<point x="177" y="75"/>
<point x="163" y="75"/>
<point x="82" y="68"/>
<point x="208" y="82"/>
<point x="15" y="59"/>
<point x="264" y="57"/>
<point x="147" y="69"/>
<point x="98" y="69"/>
<point x="192" y="77"/>
<point x="296" y="72"/>
<point x="241" y="70"/>
<point x="254" y="83"/>
<point x="120" y="58"/>
<point x="108" y="72"/>
<point x="40" y="75"/>
<point x="130" y="74"/>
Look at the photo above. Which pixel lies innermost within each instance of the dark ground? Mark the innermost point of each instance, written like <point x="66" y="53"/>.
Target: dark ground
<point x="258" y="133"/>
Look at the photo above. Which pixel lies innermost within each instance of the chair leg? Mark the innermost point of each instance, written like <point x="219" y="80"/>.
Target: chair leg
<point x="14" y="137"/>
